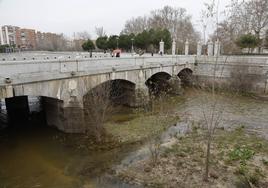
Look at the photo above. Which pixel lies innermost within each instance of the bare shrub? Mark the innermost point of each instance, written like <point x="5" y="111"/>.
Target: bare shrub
<point x="154" y="148"/>
<point x="98" y="106"/>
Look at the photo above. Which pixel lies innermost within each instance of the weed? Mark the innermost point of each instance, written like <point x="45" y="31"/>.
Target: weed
<point x="241" y="153"/>
<point x="240" y="128"/>
<point x="254" y="179"/>
<point x="265" y="162"/>
<point x="241" y="170"/>
<point x="242" y="183"/>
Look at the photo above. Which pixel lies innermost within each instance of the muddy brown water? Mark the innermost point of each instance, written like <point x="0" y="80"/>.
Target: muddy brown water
<point x="33" y="158"/>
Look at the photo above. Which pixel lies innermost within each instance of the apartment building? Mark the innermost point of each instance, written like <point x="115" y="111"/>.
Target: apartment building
<point x="8" y="35"/>
<point x="26" y="39"/>
<point x="29" y="39"/>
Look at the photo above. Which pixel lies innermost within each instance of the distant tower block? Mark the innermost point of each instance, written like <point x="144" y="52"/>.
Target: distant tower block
<point x="210" y="48"/>
<point x="161" y="47"/>
<point x="173" y="47"/>
<point x="187" y="47"/>
<point x="199" y="48"/>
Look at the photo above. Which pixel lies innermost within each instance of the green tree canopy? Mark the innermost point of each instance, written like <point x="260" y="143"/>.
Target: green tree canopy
<point x="143" y="40"/>
<point x="247" y="41"/>
<point x="125" y="41"/>
<point x="112" y="42"/>
<point x="102" y="43"/>
<point x="3" y="48"/>
<point x="88" y="45"/>
<point x="153" y="37"/>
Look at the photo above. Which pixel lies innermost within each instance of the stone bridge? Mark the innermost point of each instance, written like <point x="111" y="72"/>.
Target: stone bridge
<point x="62" y="84"/>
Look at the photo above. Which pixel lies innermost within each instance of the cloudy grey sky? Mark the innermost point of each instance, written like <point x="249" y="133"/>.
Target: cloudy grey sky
<point x="68" y="16"/>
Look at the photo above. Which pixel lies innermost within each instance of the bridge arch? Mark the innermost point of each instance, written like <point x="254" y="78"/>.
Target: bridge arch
<point x="117" y="91"/>
<point x="158" y="83"/>
<point x="186" y="76"/>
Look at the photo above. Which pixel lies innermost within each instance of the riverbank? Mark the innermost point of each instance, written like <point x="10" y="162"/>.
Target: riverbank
<point x="238" y="159"/>
<point x="239" y="151"/>
<point x="45" y="157"/>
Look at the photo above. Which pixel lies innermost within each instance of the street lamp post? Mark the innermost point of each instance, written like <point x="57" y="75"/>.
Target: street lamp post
<point x="117" y="42"/>
<point x="132" y="47"/>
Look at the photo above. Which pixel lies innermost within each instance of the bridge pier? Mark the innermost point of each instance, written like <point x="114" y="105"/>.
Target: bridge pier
<point x="175" y="84"/>
<point x="141" y="97"/>
<point x="67" y="117"/>
<point x="74" y="121"/>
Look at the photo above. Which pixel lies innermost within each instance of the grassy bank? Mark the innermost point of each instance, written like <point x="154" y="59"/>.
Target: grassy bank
<point x="239" y="159"/>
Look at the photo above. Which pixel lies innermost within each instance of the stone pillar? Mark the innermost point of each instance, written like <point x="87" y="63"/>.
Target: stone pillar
<point x="173" y="47"/>
<point x="175" y="84"/>
<point x="141" y="96"/>
<point x="1" y="36"/>
<point x="113" y="76"/>
<point x="141" y="90"/>
<point x="217" y="48"/>
<point x="187" y="47"/>
<point x="210" y="48"/>
<point x="65" y="116"/>
<point x="7" y="90"/>
<point x="199" y="49"/>
<point x="162" y="47"/>
<point x="73" y="115"/>
<point x="67" y="112"/>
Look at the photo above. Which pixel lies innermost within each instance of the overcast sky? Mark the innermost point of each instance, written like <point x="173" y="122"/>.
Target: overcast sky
<point x="68" y="16"/>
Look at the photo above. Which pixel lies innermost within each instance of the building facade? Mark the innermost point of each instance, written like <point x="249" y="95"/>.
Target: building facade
<point x="28" y="39"/>
<point x="8" y="35"/>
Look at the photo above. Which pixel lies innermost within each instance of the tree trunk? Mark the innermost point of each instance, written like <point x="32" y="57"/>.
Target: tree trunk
<point x="259" y="43"/>
<point x="207" y="159"/>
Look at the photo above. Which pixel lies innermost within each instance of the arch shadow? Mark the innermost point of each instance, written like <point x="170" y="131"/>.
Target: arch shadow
<point x="117" y="92"/>
<point x="158" y="83"/>
<point x="186" y="77"/>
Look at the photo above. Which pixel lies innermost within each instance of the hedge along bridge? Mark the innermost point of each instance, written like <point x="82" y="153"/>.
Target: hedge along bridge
<point x="63" y="84"/>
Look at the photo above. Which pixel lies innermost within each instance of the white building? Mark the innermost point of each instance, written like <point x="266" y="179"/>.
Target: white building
<point x="8" y="35"/>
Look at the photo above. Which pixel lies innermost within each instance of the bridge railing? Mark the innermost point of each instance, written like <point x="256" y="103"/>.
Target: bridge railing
<point x="18" y="70"/>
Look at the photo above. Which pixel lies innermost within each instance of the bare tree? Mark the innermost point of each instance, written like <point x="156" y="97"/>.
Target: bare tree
<point x="227" y="34"/>
<point x="258" y="11"/>
<point x="243" y="17"/>
<point x="100" y="31"/>
<point x="51" y="41"/>
<point x="98" y="107"/>
<point x="213" y="110"/>
<point x="83" y="35"/>
<point x="103" y="101"/>
<point x="136" y="25"/>
<point x="176" y="20"/>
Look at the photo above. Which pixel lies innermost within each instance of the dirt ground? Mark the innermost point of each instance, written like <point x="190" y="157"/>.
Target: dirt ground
<point x="239" y="159"/>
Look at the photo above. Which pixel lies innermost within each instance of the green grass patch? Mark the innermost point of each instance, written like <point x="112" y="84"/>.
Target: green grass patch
<point x="141" y="128"/>
<point x="242" y="154"/>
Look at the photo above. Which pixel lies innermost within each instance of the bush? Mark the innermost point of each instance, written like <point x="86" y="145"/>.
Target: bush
<point x="241" y="153"/>
<point x="241" y="170"/>
<point x="88" y="45"/>
<point x="3" y="48"/>
<point x="265" y="162"/>
<point x="248" y="41"/>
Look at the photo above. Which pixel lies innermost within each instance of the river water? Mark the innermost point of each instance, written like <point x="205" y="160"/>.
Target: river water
<point x="34" y="157"/>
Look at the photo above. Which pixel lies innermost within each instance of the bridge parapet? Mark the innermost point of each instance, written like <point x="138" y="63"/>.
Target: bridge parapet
<point x="35" y="70"/>
<point x="239" y="60"/>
